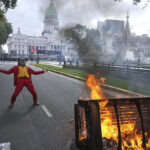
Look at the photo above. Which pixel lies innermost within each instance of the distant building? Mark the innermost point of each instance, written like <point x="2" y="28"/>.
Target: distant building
<point x="109" y="29"/>
<point x="113" y="26"/>
<point x="49" y="45"/>
<point x="127" y="32"/>
<point x="118" y="41"/>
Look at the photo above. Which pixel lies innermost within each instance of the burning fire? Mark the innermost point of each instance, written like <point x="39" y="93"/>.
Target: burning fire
<point x="131" y="138"/>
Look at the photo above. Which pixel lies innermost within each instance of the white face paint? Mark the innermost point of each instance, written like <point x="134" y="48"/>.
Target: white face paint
<point x="22" y="62"/>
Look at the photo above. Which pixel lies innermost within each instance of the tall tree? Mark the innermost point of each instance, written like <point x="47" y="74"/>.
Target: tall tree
<point x="86" y="40"/>
<point x="5" y="26"/>
<point x="5" y="5"/>
<point x="5" y="30"/>
<point x="135" y="2"/>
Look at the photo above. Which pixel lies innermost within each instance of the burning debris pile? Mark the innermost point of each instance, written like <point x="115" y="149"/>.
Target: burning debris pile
<point x="109" y="144"/>
<point x="111" y="124"/>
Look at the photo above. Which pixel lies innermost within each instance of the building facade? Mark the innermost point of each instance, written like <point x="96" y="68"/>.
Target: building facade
<point x="118" y="42"/>
<point x="49" y="45"/>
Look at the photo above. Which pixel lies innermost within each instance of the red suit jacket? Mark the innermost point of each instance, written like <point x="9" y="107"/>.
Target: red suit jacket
<point x="15" y="70"/>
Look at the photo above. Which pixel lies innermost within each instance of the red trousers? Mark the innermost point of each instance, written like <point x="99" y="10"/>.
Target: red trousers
<point x="20" y="84"/>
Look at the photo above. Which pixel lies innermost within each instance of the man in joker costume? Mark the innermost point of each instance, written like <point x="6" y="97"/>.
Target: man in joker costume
<point x="22" y="77"/>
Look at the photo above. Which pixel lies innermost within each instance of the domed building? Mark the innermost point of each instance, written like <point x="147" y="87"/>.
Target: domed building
<point x="51" y="22"/>
<point x="50" y="45"/>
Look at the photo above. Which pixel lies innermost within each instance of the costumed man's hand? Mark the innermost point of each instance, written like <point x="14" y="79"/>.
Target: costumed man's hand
<point x="45" y="70"/>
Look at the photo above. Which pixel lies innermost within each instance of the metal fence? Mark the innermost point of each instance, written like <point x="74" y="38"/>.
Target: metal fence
<point x="143" y="69"/>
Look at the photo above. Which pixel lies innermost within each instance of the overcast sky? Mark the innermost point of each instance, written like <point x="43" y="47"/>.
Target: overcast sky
<point x="29" y="14"/>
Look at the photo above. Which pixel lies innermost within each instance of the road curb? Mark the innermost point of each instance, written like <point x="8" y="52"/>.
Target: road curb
<point x="82" y="79"/>
<point x="115" y="89"/>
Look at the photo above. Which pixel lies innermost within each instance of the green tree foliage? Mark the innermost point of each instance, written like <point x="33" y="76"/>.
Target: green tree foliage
<point x="135" y="2"/>
<point x="0" y="50"/>
<point x="5" y="27"/>
<point x="1" y="14"/>
<point x="5" y="5"/>
<point x="5" y="30"/>
<point x="86" y="40"/>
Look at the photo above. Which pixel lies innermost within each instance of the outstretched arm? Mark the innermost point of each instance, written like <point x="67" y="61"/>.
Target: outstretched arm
<point x="7" y="71"/>
<point x="37" y="72"/>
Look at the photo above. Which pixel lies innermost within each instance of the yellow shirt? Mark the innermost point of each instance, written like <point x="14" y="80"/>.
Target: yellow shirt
<point x="23" y="72"/>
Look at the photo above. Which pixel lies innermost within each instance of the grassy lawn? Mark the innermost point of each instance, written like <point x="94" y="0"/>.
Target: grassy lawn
<point x="73" y="72"/>
<point x="116" y="82"/>
<point x="128" y="85"/>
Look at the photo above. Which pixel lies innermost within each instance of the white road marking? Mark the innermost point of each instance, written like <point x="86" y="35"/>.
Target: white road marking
<point x="5" y="146"/>
<point x="46" y="111"/>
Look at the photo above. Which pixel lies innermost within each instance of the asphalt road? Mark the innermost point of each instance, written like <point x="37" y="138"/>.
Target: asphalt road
<point x="44" y="127"/>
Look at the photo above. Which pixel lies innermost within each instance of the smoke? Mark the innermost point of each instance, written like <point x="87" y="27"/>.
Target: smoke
<point x="130" y="56"/>
<point x="83" y="12"/>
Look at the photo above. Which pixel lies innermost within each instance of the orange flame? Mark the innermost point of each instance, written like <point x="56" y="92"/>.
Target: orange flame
<point x="92" y="84"/>
<point x="131" y="139"/>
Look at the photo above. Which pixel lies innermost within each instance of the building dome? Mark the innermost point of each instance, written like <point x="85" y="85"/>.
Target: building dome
<point x="51" y="12"/>
<point x="51" y="22"/>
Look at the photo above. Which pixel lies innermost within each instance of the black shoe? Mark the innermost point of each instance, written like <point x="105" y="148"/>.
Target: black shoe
<point x="11" y="105"/>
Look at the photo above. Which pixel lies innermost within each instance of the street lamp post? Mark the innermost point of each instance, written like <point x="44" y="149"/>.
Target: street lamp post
<point x="60" y="58"/>
<point x="37" y="57"/>
<point x="60" y="52"/>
